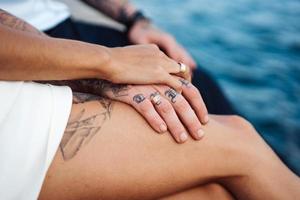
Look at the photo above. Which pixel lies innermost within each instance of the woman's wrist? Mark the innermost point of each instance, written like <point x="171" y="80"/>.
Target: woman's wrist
<point x="83" y="60"/>
<point x="136" y="17"/>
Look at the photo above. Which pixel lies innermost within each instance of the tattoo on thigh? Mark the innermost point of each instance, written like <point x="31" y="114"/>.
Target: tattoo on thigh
<point x="171" y="94"/>
<point x="82" y="127"/>
<point x="139" y="98"/>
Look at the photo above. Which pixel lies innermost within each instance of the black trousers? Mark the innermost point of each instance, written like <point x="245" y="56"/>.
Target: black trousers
<point x="212" y="95"/>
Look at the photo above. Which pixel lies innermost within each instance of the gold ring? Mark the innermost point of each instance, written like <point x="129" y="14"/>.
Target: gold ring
<point x="182" y="67"/>
<point x="155" y="98"/>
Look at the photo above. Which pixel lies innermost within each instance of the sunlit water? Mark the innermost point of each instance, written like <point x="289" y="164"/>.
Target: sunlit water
<point x="252" y="47"/>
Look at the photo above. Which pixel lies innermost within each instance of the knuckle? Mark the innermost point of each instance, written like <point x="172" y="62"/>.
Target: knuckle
<point x="181" y="105"/>
<point x="145" y="107"/>
<point x="165" y="107"/>
<point x="152" y="119"/>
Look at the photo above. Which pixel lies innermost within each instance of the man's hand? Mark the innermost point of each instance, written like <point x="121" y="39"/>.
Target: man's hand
<point x="164" y="108"/>
<point x="143" y="32"/>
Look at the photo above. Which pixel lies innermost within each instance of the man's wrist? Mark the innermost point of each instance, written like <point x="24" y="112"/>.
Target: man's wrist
<point x="130" y="21"/>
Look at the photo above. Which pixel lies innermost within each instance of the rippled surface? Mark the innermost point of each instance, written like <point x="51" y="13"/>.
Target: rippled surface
<point x="252" y="48"/>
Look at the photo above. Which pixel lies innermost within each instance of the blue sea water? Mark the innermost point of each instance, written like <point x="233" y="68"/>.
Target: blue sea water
<point x="252" y="47"/>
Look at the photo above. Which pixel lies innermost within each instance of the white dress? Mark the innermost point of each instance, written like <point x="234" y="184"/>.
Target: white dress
<point x="32" y="121"/>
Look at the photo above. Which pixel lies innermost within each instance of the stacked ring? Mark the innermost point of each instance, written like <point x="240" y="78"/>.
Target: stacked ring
<point x="182" y="68"/>
<point x="155" y="98"/>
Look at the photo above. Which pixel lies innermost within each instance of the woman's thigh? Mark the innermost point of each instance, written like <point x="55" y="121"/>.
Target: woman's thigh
<point x="211" y="191"/>
<point x="109" y="152"/>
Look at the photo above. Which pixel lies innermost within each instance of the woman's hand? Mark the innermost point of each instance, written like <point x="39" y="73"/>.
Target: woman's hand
<point x="143" y="32"/>
<point x="142" y="64"/>
<point x="164" y="108"/>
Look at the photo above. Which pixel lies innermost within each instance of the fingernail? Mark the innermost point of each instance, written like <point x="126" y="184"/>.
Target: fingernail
<point x="163" y="128"/>
<point x="183" y="137"/>
<point x="200" y="133"/>
<point x="206" y="119"/>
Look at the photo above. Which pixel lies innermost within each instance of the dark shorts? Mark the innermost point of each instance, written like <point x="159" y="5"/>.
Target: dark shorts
<point x="212" y="95"/>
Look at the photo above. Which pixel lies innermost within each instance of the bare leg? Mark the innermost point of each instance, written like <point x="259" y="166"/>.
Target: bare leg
<point x="125" y="159"/>
<point x="205" y="192"/>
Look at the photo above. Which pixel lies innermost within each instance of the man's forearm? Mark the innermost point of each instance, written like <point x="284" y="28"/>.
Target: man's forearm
<point x="93" y="86"/>
<point x="28" y="54"/>
<point x="11" y="21"/>
<point x="116" y="9"/>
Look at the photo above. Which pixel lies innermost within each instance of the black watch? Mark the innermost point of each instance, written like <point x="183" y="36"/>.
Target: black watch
<point x="130" y="21"/>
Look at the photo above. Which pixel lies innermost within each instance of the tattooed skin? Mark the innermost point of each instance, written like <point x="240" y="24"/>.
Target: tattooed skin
<point x="171" y="94"/>
<point x="116" y="9"/>
<point x="94" y="86"/>
<point x="82" y="127"/>
<point x="155" y="98"/>
<point x="11" y="21"/>
<point x="139" y="98"/>
<point x="186" y="83"/>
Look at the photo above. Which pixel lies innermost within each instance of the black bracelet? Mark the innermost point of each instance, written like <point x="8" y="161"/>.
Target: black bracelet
<point x="130" y="21"/>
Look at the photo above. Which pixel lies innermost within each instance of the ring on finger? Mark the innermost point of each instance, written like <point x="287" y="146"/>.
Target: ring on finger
<point x="182" y="68"/>
<point x="155" y="98"/>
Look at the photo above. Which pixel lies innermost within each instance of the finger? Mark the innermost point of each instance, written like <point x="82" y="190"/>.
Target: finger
<point x="174" y="125"/>
<point x="134" y="97"/>
<point x="178" y="53"/>
<point x="173" y="51"/>
<point x="174" y="68"/>
<point x="192" y="94"/>
<point x="146" y="109"/>
<point x="187" y="58"/>
<point x="186" y="74"/>
<point x="173" y="82"/>
<point x="170" y="65"/>
<point x="184" y="111"/>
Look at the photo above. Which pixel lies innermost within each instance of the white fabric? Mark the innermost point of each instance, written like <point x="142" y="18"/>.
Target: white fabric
<point x="32" y="121"/>
<point x="42" y="14"/>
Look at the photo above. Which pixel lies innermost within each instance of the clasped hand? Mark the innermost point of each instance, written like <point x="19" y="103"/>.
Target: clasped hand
<point x="172" y="111"/>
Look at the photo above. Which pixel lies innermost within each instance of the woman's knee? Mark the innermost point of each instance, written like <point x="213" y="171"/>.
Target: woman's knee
<point x="251" y="147"/>
<point x="242" y="123"/>
<point x="235" y="121"/>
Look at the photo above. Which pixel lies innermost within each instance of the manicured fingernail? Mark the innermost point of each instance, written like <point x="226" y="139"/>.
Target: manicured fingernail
<point x="163" y="128"/>
<point x="200" y="133"/>
<point x="183" y="137"/>
<point x="206" y="119"/>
